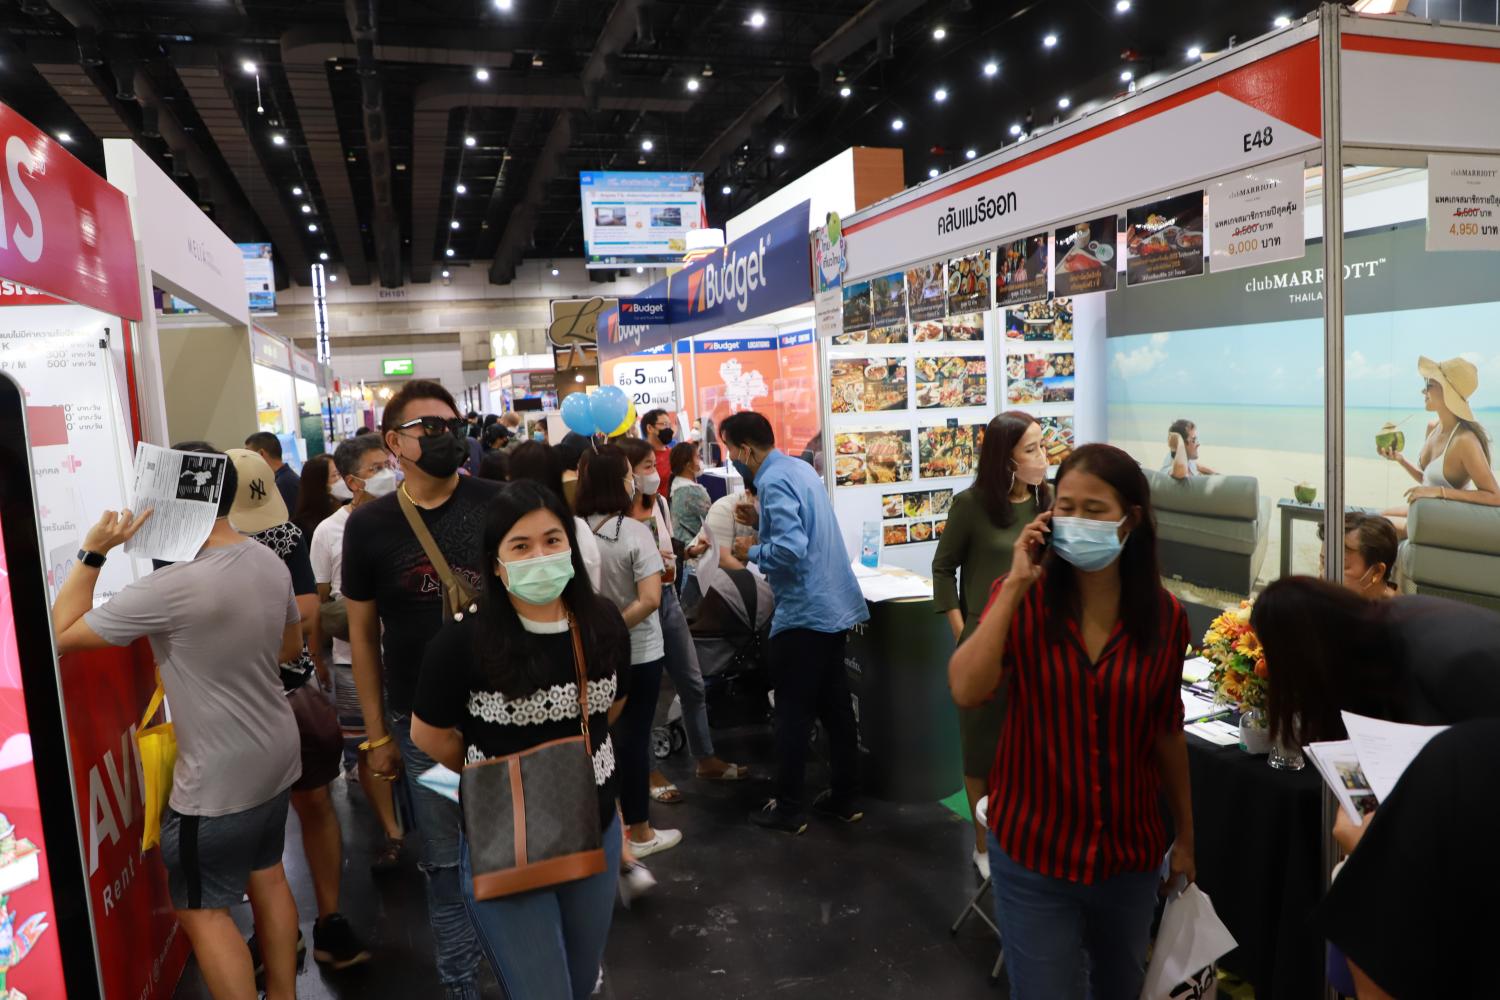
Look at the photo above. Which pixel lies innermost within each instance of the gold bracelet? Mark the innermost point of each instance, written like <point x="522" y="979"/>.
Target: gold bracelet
<point x="369" y="745"/>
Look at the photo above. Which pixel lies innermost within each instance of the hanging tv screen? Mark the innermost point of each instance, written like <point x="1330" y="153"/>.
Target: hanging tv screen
<point x="639" y="218"/>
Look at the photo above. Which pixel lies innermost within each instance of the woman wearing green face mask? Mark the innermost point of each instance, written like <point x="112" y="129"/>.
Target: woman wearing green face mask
<point x="502" y="682"/>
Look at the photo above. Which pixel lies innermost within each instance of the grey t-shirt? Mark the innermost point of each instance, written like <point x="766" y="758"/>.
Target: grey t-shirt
<point x="215" y="625"/>
<point x="628" y="554"/>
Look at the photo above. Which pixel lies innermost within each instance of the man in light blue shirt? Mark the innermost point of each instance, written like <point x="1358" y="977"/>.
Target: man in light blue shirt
<point x="801" y="551"/>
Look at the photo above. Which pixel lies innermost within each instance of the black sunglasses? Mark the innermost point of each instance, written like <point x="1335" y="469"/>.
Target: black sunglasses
<point x="433" y="426"/>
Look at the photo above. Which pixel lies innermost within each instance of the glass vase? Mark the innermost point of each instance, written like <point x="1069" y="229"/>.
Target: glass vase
<point x="1255" y="735"/>
<point x="1286" y="754"/>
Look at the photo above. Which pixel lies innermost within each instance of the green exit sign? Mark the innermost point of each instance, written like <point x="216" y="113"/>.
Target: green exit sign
<point x="397" y="366"/>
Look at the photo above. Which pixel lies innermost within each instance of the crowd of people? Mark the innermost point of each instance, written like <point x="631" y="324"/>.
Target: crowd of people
<point x="443" y="600"/>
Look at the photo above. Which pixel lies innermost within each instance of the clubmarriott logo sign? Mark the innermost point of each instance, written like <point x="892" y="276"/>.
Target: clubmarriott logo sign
<point x="1311" y="279"/>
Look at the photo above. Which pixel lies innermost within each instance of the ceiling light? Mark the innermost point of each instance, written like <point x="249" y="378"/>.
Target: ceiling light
<point x="991" y="68"/>
<point x="247" y="66"/>
<point x="578" y="378"/>
<point x="481" y="74"/>
<point x="1195" y="52"/>
<point x="932" y="171"/>
<point x="939" y="33"/>
<point x="1121" y="6"/>
<point x="333" y="277"/>
<point x="1282" y="22"/>
<point x="64" y="137"/>
<point x="1015" y="129"/>
<point x="1064" y="103"/>
<point x="312" y="227"/>
<point x="757" y="19"/>
<point x="897" y="124"/>
<point x="779" y="148"/>
<point x="453" y="224"/>
<point x="969" y="154"/>
<point x="278" y="140"/>
<point x="693" y="84"/>
<point x="505" y="4"/>
<point x="307" y="210"/>
<point x="323" y="255"/>
<point x="448" y="252"/>
<point x="445" y="272"/>
<point x="297" y="191"/>
<point x="461" y="188"/>
<point x="940" y="95"/>
<point x="555" y="272"/>
<point x="845" y="91"/>
<point x="647" y="145"/>
<point x="1050" y="41"/>
<point x="1126" y="76"/>
<point x="470" y="141"/>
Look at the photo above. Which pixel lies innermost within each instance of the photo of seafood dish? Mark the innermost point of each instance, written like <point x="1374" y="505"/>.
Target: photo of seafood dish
<point x="1164" y="239"/>
<point x="893" y="505"/>
<point x="887" y="335"/>
<point x="917" y="505"/>
<point x="1015" y="366"/>
<point x="924" y="292"/>
<point x="863" y="385"/>
<point x="882" y="396"/>
<point x="940" y="501"/>
<point x="1057" y="438"/>
<point x="1024" y="391"/>
<point x="888" y="456"/>
<point x="952" y="381"/>
<point x="1085" y="257"/>
<point x="945" y="451"/>
<point x="1062" y="364"/>
<point x="969" y="283"/>
<point x="1040" y="321"/>
<point x="937" y="528"/>
<point x="840" y="339"/>
<point x="964" y="328"/>
<point x="849" y="470"/>
<point x="921" y="531"/>
<point x="928" y="332"/>
<point x="894" y="534"/>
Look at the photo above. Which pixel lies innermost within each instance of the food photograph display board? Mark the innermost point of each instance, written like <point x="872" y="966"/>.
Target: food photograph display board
<point x="1164" y="239"/>
<point x="1041" y="365"/>
<point x="1083" y="257"/>
<point x="1021" y="270"/>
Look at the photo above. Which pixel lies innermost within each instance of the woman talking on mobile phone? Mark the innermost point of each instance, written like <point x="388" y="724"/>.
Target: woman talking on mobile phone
<point x="1089" y="647"/>
<point x="1010" y="490"/>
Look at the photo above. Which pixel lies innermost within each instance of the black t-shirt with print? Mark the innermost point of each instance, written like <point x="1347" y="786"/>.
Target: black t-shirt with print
<point x="384" y="563"/>
<point x="454" y="693"/>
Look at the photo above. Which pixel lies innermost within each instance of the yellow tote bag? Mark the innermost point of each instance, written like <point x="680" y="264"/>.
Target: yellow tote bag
<point x="157" y="747"/>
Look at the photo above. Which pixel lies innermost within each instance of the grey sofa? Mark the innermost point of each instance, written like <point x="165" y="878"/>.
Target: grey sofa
<point x="1452" y="550"/>
<point x="1212" y="531"/>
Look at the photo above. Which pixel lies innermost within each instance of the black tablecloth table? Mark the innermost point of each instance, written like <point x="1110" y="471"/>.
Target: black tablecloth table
<point x="1259" y="854"/>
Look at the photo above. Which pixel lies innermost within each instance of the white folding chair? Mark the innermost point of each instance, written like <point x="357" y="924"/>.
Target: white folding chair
<point x="974" y="909"/>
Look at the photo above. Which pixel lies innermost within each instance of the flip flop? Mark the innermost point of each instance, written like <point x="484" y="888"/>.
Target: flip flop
<point x="667" y="794"/>
<point x="734" y="772"/>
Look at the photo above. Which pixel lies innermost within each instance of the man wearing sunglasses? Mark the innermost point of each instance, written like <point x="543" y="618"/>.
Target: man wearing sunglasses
<point x="389" y="583"/>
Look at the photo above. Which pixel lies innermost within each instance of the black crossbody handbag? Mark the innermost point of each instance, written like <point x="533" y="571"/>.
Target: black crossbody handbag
<point x="531" y="818"/>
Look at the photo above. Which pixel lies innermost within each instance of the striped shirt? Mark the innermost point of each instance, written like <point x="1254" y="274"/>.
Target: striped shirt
<point x="1075" y="792"/>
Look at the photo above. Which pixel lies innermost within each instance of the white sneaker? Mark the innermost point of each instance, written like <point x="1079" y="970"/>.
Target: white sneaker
<point x="636" y="881"/>
<point x="661" y="840"/>
<point x="982" y="862"/>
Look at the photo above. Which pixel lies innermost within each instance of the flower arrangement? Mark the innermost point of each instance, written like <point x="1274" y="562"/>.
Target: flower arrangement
<point x="1239" y="662"/>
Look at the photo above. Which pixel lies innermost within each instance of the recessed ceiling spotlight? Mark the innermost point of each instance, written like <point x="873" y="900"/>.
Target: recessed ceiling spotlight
<point x="297" y="191"/>
<point x="248" y="67"/>
<point x="323" y="255"/>
<point x="897" y="124"/>
<point x="757" y="19"/>
<point x="1064" y="103"/>
<point x="481" y="74"/>
<point x="461" y="188"/>
<point x="64" y="137"/>
<point x="693" y="84"/>
<point x="1282" y="21"/>
<point x="445" y="272"/>
<point x="276" y="140"/>
<point x="1049" y="41"/>
<point x="969" y="154"/>
<point x="845" y="91"/>
<point x="1121" y="6"/>
<point x="312" y="227"/>
<point x="725" y="189"/>
<point x="779" y="148"/>
<point x="333" y="278"/>
<point x="448" y="252"/>
<point x="940" y="95"/>
<point x="1195" y="52"/>
<point x="1015" y="129"/>
<point x="470" y="141"/>
<point x="991" y="68"/>
<point x="505" y="4"/>
<point x="307" y="210"/>
<point x="453" y="224"/>
<point x="932" y="171"/>
<point x="647" y="145"/>
<point x="939" y="33"/>
<point x="1126" y="76"/>
<point x="555" y="272"/>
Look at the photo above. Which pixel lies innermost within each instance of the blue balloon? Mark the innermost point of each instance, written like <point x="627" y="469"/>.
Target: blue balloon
<point x="575" y="413"/>
<point x="608" y="406"/>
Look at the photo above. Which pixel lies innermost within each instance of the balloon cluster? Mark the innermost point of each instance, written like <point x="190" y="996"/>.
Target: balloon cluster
<point x="607" y="411"/>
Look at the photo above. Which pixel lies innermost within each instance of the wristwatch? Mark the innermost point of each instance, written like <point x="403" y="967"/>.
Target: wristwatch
<point x="94" y="559"/>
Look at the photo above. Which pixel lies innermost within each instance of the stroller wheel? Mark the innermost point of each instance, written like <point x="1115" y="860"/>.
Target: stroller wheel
<point x="661" y="742"/>
<point x="679" y="737"/>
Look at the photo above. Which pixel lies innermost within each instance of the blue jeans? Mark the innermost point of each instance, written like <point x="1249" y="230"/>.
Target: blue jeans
<point x="687" y="677"/>
<point x="439" y="823"/>
<point x="548" y="944"/>
<point x="1056" y="932"/>
<point x="632" y="734"/>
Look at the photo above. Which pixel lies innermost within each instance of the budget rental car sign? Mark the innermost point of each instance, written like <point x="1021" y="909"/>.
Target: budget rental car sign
<point x="64" y="230"/>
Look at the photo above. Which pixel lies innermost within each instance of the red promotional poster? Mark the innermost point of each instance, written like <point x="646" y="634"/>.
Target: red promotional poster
<point x="30" y="961"/>
<point x="737" y="373"/>
<point x="796" y="393"/>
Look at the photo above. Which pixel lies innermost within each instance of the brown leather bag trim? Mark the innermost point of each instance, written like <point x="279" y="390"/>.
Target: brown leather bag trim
<point x="492" y="761"/>
<point x="518" y="807"/>
<point x="526" y="877"/>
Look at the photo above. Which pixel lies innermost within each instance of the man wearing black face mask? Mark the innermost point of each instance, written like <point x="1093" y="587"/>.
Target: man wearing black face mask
<point x="389" y="581"/>
<point x="656" y="428"/>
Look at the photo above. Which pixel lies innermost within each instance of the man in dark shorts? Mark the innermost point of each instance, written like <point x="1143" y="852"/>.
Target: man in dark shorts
<point x="219" y="625"/>
<point x="390" y="582"/>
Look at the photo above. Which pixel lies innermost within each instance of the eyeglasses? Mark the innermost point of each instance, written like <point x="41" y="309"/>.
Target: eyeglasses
<point x="433" y="426"/>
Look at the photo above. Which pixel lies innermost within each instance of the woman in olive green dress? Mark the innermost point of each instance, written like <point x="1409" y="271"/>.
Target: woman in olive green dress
<point x="1009" y="491"/>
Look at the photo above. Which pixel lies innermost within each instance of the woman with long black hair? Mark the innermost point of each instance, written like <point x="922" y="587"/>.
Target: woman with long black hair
<point x="503" y="681"/>
<point x="1089" y="646"/>
<point x="316" y="496"/>
<point x="1010" y="489"/>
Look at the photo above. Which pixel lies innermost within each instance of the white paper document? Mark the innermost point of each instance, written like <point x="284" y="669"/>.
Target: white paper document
<point x="1196" y="669"/>
<point x="182" y="489"/>
<point x="1196" y="707"/>
<point x="894" y="587"/>
<point x="1216" y="731"/>
<point x="1339" y="765"/>
<point x="1385" y="748"/>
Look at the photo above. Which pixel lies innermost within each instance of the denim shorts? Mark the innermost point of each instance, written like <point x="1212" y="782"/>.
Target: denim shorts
<point x="209" y="858"/>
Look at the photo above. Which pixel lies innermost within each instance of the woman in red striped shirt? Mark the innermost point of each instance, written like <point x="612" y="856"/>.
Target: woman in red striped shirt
<point x="1090" y="647"/>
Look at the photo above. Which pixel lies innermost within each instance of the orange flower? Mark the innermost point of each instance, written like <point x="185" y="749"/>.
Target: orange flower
<point x="1260" y="667"/>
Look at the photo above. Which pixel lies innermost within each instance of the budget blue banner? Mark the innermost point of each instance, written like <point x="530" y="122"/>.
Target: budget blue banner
<point x="766" y="270"/>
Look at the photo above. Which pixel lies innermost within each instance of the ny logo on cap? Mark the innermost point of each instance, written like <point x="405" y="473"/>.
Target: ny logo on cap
<point x="257" y="489"/>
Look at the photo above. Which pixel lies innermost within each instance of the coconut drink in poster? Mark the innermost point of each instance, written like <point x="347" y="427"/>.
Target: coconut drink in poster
<point x="969" y="283"/>
<point x="1085" y="257"/>
<point x="857" y="308"/>
<point x="1021" y="270"/>
<point x="925" y="292"/>
<point x="888" y="300"/>
<point x="1164" y="239"/>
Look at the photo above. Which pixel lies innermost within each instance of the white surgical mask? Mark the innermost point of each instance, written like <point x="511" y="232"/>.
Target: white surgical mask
<point x="381" y="483"/>
<point x="340" y="490"/>
<point x="649" y="483"/>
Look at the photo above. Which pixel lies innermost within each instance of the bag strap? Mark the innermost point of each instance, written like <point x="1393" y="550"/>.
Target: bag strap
<point x="456" y="594"/>
<point x="154" y="704"/>
<point x="580" y="668"/>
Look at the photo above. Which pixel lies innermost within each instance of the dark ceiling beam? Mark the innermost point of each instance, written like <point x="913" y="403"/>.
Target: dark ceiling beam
<point x="386" y="230"/>
<point x="553" y="91"/>
<point x="429" y="148"/>
<point x="860" y="30"/>
<point x="213" y="96"/>
<point x="312" y="43"/>
<point x="740" y="130"/>
<point x="97" y="112"/>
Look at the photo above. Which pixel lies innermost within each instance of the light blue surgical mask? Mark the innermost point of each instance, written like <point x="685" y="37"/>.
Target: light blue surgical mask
<point x="1088" y="544"/>
<point x="541" y="579"/>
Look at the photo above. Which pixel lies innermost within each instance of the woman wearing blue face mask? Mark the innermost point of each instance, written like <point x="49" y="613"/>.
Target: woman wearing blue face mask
<point x="502" y="682"/>
<point x="1090" y="648"/>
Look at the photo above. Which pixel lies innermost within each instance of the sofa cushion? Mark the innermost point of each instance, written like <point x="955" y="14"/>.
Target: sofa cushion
<point x="1447" y="524"/>
<point x="1221" y="533"/>
<point x="1452" y="569"/>
<point x="1208" y="496"/>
